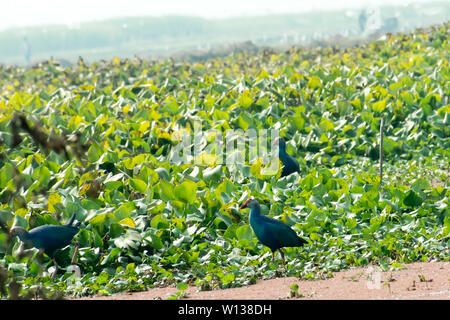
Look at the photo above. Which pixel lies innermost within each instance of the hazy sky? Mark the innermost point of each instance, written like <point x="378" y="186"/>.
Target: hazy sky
<point x="14" y="13"/>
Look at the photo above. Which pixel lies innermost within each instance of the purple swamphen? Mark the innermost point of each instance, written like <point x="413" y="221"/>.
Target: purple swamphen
<point x="290" y="164"/>
<point x="270" y="232"/>
<point x="50" y="238"/>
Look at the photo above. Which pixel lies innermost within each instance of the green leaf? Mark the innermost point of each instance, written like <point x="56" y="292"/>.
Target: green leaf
<point x="379" y="105"/>
<point x="244" y="233"/>
<point x="326" y="125"/>
<point x="186" y="192"/>
<point x="138" y="185"/>
<point x="314" y="82"/>
<point x="154" y="241"/>
<point x="53" y="199"/>
<point x="159" y="222"/>
<point x="446" y="231"/>
<point x="212" y="174"/>
<point x="113" y="185"/>
<point x="162" y="174"/>
<point x="227" y="278"/>
<point x="166" y="190"/>
<point x="419" y="185"/>
<point x="128" y="240"/>
<point x="98" y="219"/>
<point x="407" y="98"/>
<point x="389" y="145"/>
<point x="115" y="230"/>
<point x="182" y="286"/>
<point x="241" y="123"/>
<point x="124" y="211"/>
<point x="6" y="174"/>
<point x="231" y="231"/>
<point x="42" y="176"/>
<point x="127" y="222"/>
<point x="221" y="115"/>
<point x="298" y="121"/>
<point x="411" y="199"/>
<point x="245" y="100"/>
<point x="94" y="152"/>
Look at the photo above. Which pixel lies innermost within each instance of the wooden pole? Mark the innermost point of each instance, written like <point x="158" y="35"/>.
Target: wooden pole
<point x="381" y="150"/>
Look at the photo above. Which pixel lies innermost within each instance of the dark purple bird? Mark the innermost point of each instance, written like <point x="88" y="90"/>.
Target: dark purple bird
<point x="290" y="164"/>
<point x="50" y="238"/>
<point x="270" y="232"/>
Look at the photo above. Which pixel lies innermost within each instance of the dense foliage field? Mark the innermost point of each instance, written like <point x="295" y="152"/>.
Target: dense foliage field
<point x="96" y="140"/>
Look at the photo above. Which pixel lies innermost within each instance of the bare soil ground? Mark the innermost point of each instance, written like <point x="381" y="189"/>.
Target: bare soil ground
<point x="421" y="280"/>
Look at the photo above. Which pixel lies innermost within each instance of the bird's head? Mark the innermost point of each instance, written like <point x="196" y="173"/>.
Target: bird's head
<point x="250" y="203"/>
<point x="18" y="231"/>
<point x="279" y="142"/>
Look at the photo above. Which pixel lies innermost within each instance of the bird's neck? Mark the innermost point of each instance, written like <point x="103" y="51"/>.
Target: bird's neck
<point x="23" y="235"/>
<point x="283" y="155"/>
<point x="255" y="212"/>
<point x="281" y="152"/>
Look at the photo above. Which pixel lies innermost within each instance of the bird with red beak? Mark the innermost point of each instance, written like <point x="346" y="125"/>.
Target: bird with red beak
<point x="271" y="232"/>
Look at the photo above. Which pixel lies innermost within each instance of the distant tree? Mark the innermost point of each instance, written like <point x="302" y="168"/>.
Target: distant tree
<point x="390" y="24"/>
<point x="27" y="49"/>
<point x="362" y="20"/>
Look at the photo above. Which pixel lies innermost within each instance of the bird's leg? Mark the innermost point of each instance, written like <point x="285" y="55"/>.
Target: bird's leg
<point x="76" y="252"/>
<point x="75" y="266"/>
<point x="282" y="258"/>
<point x="56" y="268"/>
<point x="40" y="255"/>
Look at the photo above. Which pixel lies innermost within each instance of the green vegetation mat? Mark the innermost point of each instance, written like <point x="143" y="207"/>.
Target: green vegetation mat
<point x="99" y="141"/>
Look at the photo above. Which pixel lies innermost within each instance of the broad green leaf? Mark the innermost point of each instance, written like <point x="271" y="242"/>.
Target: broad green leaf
<point x="127" y="222"/>
<point x="138" y="185"/>
<point x="227" y="278"/>
<point x="407" y="98"/>
<point x="6" y="175"/>
<point x="159" y="222"/>
<point x="98" y="219"/>
<point x="53" y="199"/>
<point x="166" y="190"/>
<point x="124" y="211"/>
<point x="245" y="100"/>
<point x="314" y="82"/>
<point x="389" y="144"/>
<point x="186" y="191"/>
<point x="244" y="233"/>
<point x="154" y="241"/>
<point x="182" y="286"/>
<point x="419" y="185"/>
<point x="326" y="125"/>
<point x="95" y="152"/>
<point x="379" y="105"/>
<point x="412" y="199"/>
<point x="212" y="174"/>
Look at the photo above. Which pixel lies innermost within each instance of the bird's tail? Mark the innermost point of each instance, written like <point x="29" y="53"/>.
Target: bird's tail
<point x="302" y="241"/>
<point x="71" y="220"/>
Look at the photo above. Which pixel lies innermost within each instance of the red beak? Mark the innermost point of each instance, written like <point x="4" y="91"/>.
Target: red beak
<point x="276" y="141"/>
<point x="245" y="204"/>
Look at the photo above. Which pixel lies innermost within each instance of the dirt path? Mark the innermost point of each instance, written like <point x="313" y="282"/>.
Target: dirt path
<point x="421" y="280"/>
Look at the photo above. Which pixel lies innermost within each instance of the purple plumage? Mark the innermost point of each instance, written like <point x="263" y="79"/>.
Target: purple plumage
<point x="270" y="232"/>
<point x="49" y="238"/>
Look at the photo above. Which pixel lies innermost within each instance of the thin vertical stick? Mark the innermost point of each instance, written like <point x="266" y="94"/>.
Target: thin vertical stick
<point x="381" y="150"/>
